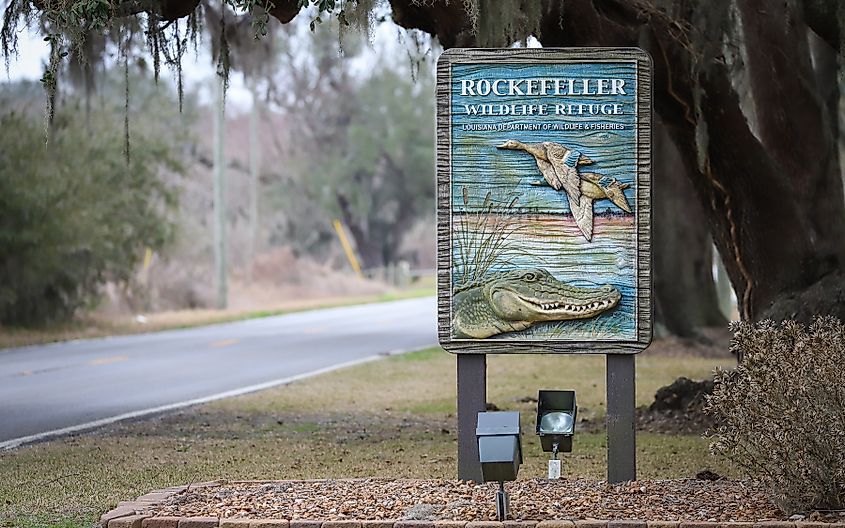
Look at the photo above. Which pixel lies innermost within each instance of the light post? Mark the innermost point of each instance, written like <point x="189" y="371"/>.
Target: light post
<point x="500" y="452"/>
<point x="556" y="412"/>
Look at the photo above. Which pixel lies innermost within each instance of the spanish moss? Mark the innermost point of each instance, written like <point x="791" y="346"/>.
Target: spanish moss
<point x="70" y="24"/>
<point x="504" y="22"/>
<point x="125" y="56"/>
<point x="223" y="64"/>
<point x="180" y="49"/>
<point x="9" y="34"/>
<point x="50" y="79"/>
<point x="154" y="43"/>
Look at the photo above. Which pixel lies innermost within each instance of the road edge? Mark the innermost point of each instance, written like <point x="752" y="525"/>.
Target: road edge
<point x="14" y="443"/>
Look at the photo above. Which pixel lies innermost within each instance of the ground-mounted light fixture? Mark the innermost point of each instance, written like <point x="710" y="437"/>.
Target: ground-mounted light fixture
<point x="500" y="452"/>
<point x="556" y="410"/>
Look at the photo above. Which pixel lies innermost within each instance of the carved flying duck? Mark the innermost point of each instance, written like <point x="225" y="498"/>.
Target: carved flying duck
<point x="559" y="166"/>
<point x="556" y="162"/>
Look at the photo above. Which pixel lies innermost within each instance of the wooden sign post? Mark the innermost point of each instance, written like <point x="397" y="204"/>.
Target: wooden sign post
<point x="544" y="220"/>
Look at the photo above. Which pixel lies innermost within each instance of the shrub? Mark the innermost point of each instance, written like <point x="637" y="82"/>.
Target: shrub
<point x="782" y="411"/>
<point x="73" y="214"/>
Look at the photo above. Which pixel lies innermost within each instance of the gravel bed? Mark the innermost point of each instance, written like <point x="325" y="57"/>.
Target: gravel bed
<point x="383" y="499"/>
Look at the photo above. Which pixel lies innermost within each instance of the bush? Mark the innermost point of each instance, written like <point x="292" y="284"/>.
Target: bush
<point x="782" y="411"/>
<point x="73" y="214"/>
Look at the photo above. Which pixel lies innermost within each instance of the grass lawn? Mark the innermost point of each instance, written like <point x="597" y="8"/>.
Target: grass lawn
<point x="100" y="325"/>
<point x="391" y="418"/>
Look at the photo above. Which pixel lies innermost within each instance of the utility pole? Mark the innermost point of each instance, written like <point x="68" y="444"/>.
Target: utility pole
<point x="220" y="265"/>
<point x="254" y="162"/>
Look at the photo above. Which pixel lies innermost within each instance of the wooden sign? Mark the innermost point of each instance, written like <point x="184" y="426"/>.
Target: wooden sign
<point x="544" y="200"/>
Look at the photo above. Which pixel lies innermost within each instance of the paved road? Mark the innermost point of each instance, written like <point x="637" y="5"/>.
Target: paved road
<point x="57" y="388"/>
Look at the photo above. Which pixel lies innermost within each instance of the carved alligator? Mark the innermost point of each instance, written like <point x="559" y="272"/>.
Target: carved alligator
<point x="514" y="300"/>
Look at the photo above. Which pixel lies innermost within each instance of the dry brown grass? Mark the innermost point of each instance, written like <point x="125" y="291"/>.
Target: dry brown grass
<point x="100" y="325"/>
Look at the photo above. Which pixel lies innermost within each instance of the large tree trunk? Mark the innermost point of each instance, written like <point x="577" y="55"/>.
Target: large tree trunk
<point x="684" y="289"/>
<point x="778" y="221"/>
<point x="826" y="70"/>
<point x="799" y="133"/>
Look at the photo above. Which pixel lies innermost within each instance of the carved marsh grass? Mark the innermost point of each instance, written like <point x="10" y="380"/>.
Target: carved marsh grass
<point x="481" y="241"/>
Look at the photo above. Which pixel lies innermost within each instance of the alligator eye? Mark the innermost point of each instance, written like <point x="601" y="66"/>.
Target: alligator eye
<point x="530" y="276"/>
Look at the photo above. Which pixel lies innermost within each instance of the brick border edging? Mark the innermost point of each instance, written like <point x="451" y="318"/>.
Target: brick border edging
<point x="127" y="515"/>
<point x="126" y="512"/>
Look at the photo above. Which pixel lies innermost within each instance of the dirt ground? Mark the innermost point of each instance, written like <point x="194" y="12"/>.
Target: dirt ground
<point x="687" y="500"/>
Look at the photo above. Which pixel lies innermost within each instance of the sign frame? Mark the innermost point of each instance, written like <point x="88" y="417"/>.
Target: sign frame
<point x="642" y="196"/>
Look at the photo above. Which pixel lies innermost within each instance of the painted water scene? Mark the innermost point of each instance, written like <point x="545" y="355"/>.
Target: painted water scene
<point x="543" y="186"/>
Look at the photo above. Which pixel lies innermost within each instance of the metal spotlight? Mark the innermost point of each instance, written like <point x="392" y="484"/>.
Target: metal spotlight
<point x="556" y="412"/>
<point x="500" y="452"/>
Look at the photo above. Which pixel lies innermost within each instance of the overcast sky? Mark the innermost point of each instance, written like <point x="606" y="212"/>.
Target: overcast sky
<point x="198" y="71"/>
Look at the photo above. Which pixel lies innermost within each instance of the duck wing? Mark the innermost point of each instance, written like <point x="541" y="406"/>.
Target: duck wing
<point x="549" y="174"/>
<point x="582" y="211"/>
<point x="565" y="168"/>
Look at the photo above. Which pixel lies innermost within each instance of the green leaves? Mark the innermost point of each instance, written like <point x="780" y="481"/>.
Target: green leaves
<point x="73" y="214"/>
<point x="82" y="15"/>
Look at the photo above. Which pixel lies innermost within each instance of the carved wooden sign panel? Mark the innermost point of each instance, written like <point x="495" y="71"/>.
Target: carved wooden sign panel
<point x="544" y="200"/>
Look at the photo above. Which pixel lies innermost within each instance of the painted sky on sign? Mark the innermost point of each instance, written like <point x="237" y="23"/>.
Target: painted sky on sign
<point x="480" y="167"/>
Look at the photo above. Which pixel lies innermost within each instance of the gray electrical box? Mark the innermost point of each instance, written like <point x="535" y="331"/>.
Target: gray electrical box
<point x="499" y="445"/>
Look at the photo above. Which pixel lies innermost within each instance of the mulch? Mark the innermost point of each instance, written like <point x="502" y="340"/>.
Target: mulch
<point x="431" y="500"/>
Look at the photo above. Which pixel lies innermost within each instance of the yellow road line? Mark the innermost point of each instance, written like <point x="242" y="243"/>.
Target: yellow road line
<point x="224" y="343"/>
<point x="108" y="360"/>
